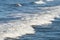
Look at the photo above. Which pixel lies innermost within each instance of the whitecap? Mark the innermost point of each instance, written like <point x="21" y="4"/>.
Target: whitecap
<point x="40" y="2"/>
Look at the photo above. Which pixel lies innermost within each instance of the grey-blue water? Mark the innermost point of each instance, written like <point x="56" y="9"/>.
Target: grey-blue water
<point x="9" y="13"/>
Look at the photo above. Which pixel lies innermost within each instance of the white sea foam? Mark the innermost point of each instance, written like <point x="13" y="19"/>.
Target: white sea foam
<point x="50" y="0"/>
<point x="23" y="25"/>
<point x="40" y="2"/>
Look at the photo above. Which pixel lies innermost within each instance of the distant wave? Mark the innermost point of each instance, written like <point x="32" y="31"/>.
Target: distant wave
<point x="48" y="3"/>
<point x="41" y="3"/>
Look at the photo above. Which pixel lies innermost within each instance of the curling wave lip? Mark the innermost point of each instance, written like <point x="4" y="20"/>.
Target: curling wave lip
<point x="18" y="4"/>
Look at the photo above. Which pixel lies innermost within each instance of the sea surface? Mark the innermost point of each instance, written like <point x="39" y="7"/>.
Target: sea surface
<point x="33" y="20"/>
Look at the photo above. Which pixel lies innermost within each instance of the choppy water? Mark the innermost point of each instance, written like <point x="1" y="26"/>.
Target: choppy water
<point x="31" y="21"/>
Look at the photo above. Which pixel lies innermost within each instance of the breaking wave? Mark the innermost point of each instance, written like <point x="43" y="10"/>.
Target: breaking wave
<point x="23" y="24"/>
<point x="19" y="22"/>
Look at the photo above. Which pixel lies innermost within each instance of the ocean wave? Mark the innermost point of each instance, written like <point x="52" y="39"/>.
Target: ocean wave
<point x="20" y="23"/>
<point x="35" y="3"/>
<point x="14" y="28"/>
